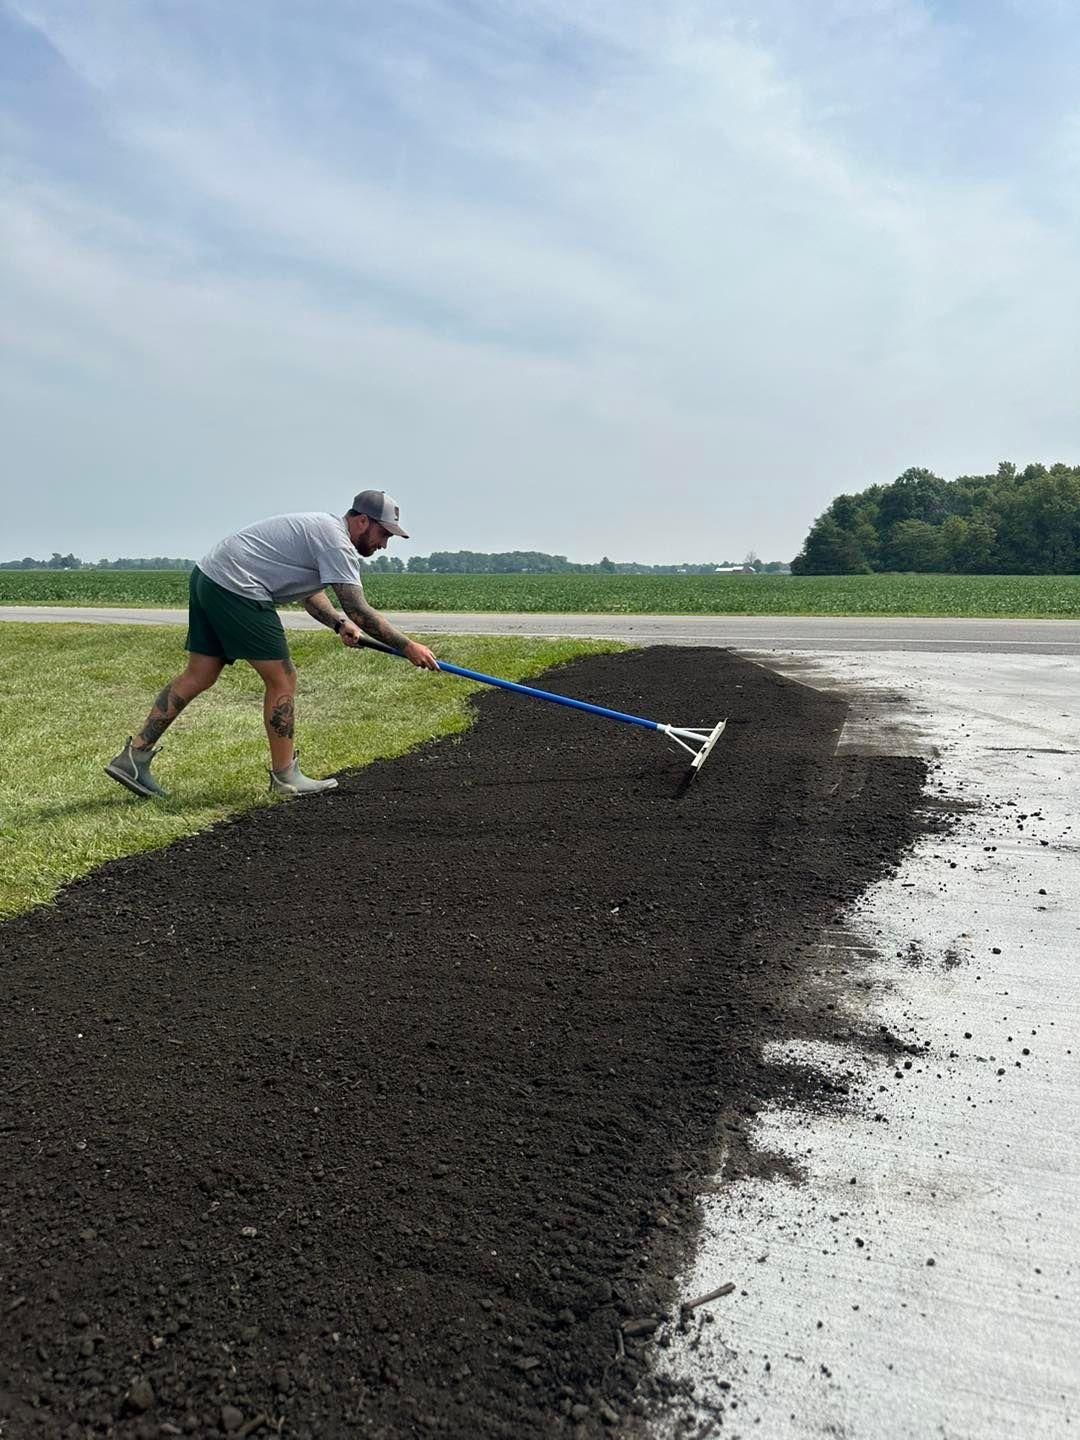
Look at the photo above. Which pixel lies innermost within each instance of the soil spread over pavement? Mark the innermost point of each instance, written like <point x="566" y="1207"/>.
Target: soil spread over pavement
<point x="383" y="1113"/>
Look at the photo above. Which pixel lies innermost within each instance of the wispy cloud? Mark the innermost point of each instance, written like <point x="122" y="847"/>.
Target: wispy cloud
<point x="526" y="265"/>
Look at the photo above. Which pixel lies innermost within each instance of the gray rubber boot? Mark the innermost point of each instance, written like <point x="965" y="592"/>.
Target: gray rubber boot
<point x="290" y="781"/>
<point x="132" y="769"/>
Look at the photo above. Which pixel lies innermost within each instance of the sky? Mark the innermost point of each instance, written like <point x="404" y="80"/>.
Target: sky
<point x="612" y="277"/>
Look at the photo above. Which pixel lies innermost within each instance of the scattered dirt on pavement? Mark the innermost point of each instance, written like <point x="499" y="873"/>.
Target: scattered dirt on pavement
<point x="383" y="1113"/>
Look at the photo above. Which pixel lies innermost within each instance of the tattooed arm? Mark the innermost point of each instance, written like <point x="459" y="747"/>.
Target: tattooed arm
<point x="369" y="620"/>
<point x="319" y="608"/>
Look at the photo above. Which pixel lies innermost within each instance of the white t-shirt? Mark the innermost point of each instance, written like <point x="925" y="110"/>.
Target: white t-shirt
<point x="284" y="558"/>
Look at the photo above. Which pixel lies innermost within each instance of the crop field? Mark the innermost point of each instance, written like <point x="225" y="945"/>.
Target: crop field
<point x="1017" y="596"/>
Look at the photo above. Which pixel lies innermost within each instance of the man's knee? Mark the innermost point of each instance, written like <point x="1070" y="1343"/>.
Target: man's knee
<point x="202" y="672"/>
<point x="279" y="676"/>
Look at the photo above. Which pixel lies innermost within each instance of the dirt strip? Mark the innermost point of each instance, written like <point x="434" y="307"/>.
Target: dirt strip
<point x="383" y="1113"/>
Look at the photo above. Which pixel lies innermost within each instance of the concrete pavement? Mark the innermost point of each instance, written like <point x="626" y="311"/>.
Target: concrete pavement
<point x="920" y="1280"/>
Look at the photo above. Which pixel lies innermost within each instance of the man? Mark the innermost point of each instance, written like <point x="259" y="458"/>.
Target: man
<point x="232" y="616"/>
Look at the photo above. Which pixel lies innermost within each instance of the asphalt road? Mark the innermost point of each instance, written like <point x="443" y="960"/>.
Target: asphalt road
<point x="751" y="632"/>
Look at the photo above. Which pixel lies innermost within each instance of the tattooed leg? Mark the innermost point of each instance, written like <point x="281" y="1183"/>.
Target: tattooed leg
<point x="279" y="677"/>
<point x="281" y="717"/>
<point x="166" y="708"/>
<point x="200" y="674"/>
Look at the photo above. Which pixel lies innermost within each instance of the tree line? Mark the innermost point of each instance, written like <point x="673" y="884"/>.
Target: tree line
<point x="72" y="562"/>
<point x="440" y="562"/>
<point x="1014" y="522"/>
<point x="536" y="562"/>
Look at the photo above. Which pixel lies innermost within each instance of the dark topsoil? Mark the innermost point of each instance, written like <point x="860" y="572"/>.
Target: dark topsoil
<point x="381" y="1113"/>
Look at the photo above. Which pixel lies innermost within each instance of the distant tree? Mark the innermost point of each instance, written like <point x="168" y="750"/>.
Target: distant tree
<point x="147" y="562"/>
<point x="72" y="562"/>
<point x="916" y="495"/>
<point x="968" y="543"/>
<point x="1011" y="521"/>
<point x="1042" y="524"/>
<point x="915" y="545"/>
<point x="829" y="550"/>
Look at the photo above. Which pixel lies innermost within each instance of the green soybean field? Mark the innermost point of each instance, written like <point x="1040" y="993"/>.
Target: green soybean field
<point x="1019" y="596"/>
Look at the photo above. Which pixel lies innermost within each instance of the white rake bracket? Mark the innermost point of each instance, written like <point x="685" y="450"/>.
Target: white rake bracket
<point x="699" y="743"/>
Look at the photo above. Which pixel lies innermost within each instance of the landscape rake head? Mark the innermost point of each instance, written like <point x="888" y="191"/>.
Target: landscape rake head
<point x="696" y="742"/>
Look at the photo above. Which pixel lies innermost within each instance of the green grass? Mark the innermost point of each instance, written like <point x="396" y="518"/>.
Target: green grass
<point x="70" y="695"/>
<point x="1016" y="596"/>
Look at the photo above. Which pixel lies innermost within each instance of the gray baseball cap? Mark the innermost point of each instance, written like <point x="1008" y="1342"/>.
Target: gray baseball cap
<point x="381" y="507"/>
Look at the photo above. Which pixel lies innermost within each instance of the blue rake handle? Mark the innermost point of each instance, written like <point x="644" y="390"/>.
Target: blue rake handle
<point x="698" y="744"/>
<point x="449" y="669"/>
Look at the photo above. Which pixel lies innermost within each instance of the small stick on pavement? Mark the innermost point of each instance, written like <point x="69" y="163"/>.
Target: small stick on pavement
<point x="716" y="1294"/>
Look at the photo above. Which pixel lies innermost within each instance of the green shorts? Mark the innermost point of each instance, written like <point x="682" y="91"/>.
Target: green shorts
<point x="231" y="627"/>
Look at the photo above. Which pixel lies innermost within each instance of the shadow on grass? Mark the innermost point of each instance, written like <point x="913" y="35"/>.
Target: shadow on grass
<point x="208" y="803"/>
